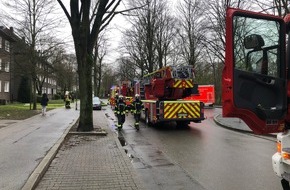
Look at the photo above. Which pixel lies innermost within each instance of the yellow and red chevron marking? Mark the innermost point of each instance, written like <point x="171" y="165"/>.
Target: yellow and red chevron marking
<point x="181" y="109"/>
<point x="178" y="83"/>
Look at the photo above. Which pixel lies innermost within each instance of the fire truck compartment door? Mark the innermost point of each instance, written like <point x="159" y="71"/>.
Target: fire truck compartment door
<point x="254" y="77"/>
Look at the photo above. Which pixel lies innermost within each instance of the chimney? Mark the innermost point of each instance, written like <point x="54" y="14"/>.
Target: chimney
<point x="11" y="30"/>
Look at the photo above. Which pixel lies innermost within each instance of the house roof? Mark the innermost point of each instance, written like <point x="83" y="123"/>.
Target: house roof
<point x="8" y="34"/>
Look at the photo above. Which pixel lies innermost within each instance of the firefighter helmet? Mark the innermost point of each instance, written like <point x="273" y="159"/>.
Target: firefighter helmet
<point x="137" y="96"/>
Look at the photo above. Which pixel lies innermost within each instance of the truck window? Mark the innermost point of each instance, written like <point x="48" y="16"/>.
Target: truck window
<point x="182" y="72"/>
<point x="256" y="43"/>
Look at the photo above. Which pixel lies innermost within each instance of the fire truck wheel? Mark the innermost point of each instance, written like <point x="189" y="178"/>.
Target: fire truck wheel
<point x="182" y="124"/>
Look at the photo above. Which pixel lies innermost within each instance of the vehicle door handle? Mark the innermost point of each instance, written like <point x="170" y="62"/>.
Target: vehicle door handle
<point x="266" y="81"/>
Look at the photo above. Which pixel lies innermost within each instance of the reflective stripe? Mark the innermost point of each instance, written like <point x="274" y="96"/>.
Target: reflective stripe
<point x="181" y="110"/>
<point x="183" y="83"/>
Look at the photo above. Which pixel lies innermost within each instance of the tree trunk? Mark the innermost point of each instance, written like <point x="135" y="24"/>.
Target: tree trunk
<point x="34" y="95"/>
<point x="85" y="85"/>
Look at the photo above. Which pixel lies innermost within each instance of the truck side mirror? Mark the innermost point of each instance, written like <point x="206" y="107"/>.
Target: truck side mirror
<point x="254" y="41"/>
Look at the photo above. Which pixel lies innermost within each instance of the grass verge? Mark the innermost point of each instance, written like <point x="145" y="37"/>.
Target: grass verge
<point x="20" y="111"/>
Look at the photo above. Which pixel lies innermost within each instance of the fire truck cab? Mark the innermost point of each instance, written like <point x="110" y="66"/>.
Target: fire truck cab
<point x="255" y="82"/>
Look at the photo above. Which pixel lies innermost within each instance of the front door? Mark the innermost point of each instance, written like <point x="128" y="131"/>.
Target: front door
<point x="254" y="76"/>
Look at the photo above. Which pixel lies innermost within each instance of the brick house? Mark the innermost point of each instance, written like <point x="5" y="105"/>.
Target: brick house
<point x="5" y="65"/>
<point x="15" y="77"/>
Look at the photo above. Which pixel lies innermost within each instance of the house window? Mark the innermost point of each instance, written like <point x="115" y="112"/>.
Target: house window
<point x="0" y="86"/>
<point x="7" y="45"/>
<point x="0" y="64"/>
<point x="0" y="42"/>
<point x="7" y="65"/>
<point x="6" y="86"/>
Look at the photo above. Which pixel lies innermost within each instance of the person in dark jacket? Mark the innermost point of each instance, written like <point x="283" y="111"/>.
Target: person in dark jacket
<point x="44" y="101"/>
<point x="137" y="108"/>
<point x="121" y="110"/>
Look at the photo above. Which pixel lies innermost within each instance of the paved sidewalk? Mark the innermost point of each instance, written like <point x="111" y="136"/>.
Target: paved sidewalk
<point x="237" y="125"/>
<point x="26" y="142"/>
<point x="232" y="123"/>
<point x="91" y="161"/>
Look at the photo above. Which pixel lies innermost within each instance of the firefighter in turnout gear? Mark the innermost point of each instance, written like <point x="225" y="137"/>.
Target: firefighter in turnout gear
<point x="120" y="110"/>
<point x="137" y="108"/>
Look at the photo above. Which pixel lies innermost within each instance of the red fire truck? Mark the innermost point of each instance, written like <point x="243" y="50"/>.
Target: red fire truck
<point x="206" y="94"/>
<point x="125" y="88"/>
<point x="163" y="92"/>
<point x="256" y="79"/>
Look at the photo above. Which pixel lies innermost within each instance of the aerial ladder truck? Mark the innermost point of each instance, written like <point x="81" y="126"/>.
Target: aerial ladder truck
<point x="163" y="94"/>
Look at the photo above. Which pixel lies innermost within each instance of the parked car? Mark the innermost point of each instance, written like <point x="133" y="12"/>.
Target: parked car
<point x="97" y="104"/>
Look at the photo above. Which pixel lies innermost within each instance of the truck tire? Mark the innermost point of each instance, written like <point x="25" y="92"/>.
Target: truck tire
<point x="182" y="124"/>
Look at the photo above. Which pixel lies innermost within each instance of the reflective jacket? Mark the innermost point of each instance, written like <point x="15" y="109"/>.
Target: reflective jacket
<point x="121" y="108"/>
<point x="137" y="106"/>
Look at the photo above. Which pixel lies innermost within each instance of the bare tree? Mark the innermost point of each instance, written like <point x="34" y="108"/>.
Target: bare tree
<point x="64" y="69"/>
<point x="276" y="7"/>
<point x="148" y="40"/>
<point x="164" y="34"/>
<point x="127" y="69"/>
<point x="86" y="26"/>
<point x="133" y="46"/>
<point x="144" y="24"/>
<point x="109" y="79"/>
<point x="34" y="24"/>
<point x="191" y="31"/>
<point x="99" y="53"/>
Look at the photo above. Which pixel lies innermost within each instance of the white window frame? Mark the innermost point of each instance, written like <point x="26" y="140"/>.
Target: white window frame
<point x="6" y="86"/>
<point x="7" y="66"/>
<point x="7" y="46"/>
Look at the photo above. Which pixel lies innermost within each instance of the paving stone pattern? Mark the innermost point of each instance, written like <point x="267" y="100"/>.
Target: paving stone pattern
<point x="91" y="162"/>
<point x="88" y="162"/>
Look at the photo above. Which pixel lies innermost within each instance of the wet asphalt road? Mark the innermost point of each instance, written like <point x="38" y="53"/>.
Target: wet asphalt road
<point x="204" y="156"/>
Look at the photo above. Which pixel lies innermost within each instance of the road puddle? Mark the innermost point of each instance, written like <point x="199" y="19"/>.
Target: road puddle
<point x="122" y="140"/>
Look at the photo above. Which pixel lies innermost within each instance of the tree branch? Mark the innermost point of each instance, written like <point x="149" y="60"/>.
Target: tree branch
<point x="64" y="10"/>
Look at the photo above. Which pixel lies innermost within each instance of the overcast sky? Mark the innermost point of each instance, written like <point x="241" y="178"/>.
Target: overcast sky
<point x="117" y="25"/>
